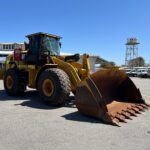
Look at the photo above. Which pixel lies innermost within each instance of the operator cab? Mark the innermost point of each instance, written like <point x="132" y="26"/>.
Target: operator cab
<point x="41" y="46"/>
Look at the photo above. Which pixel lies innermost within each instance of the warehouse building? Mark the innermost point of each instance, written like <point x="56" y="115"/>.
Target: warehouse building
<point x="7" y="48"/>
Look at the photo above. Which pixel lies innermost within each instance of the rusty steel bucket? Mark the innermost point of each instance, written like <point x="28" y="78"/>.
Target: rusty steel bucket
<point x="109" y="95"/>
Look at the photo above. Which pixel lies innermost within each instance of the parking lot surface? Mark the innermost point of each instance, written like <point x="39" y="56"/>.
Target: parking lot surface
<point x="27" y="124"/>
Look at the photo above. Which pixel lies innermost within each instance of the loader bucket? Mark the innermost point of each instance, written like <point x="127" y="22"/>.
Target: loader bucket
<point x="109" y="95"/>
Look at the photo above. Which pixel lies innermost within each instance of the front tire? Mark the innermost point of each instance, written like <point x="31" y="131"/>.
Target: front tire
<point x="54" y="86"/>
<point x="12" y="83"/>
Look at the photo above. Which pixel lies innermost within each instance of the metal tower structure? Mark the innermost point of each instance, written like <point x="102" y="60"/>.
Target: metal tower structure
<point x="131" y="50"/>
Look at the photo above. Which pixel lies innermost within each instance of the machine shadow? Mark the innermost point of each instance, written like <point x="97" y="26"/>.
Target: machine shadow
<point x="77" y="116"/>
<point x="32" y="99"/>
<point x="5" y="97"/>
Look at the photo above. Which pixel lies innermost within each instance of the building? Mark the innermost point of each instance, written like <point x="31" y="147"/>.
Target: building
<point x="7" y="48"/>
<point x="11" y="46"/>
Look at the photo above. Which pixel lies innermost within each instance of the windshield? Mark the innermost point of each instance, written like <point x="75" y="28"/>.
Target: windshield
<point x="51" y="44"/>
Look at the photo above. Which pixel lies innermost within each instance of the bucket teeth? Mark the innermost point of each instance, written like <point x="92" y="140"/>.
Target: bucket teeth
<point x="140" y="108"/>
<point x="116" y="120"/>
<point x="126" y="114"/>
<point x="120" y="117"/>
<point x="136" y="110"/>
<point x="133" y="107"/>
<point x="144" y="105"/>
<point x="147" y="105"/>
<point x="131" y="112"/>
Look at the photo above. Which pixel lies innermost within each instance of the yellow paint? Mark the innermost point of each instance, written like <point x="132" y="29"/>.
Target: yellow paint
<point x="76" y="71"/>
<point x="9" y="58"/>
<point x="48" y="87"/>
<point x="32" y="78"/>
<point x="70" y="70"/>
<point x="86" y="64"/>
<point x="9" y="82"/>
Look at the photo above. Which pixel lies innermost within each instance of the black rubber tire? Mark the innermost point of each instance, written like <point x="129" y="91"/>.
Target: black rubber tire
<point x="18" y="86"/>
<point x="61" y="84"/>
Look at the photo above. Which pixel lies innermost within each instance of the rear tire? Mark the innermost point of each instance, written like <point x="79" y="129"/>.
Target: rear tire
<point x="54" y="86"/>
<point x="13" y="84"/>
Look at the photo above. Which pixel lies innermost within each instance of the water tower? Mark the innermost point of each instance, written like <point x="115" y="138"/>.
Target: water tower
<point x="131" y="50"/>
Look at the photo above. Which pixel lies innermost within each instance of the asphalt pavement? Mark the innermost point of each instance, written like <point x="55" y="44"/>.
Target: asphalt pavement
<point x="28" y="124"/>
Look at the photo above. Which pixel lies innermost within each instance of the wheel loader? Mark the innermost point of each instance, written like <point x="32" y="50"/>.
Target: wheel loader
<point x="107" y="94"/>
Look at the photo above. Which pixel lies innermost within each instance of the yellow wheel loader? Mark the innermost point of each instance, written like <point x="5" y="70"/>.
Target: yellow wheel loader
<point x="107" y="94"/>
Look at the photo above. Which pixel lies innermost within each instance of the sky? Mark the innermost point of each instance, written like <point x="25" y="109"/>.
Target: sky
<point x="96" y="27"/>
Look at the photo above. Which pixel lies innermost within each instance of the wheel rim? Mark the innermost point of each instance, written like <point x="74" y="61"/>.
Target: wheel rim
<point x="9" y="82"/>
<point x="48" y="87"/>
